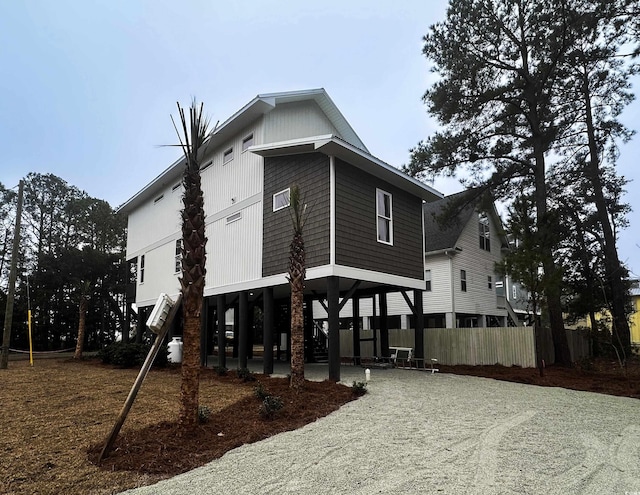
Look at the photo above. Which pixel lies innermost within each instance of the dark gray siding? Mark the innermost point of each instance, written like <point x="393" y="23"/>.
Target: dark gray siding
<point x="356" y="234"/>
<point x="311" y="173"/>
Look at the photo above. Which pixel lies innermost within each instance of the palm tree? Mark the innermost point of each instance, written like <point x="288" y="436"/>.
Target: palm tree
<point x="195" y="133"/>
<point x="296" y="276"/>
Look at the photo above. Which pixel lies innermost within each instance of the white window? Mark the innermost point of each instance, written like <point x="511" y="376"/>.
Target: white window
<point x="246" y="142"/>
<point x="384" y="216"/>
<point x="484" y="233"/>
<point x="463" y="280"/>
<point x="178" y="256"/>
<point x="141" y="271"/>
<point x="281" y="199"/>
<point x="427" y="278"/>
<point x="227" y="156"/>
<point x="234" y="218"/>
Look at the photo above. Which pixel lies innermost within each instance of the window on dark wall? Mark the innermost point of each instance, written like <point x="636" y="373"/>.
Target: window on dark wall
<point x="384" y="213"/>
<point x="484" y="232"/>
<point x="282" y="199"/>
<point x="463" y="280"/>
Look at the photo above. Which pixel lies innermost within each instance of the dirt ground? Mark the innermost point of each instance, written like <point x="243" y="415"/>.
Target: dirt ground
<point x="60" y="411"/>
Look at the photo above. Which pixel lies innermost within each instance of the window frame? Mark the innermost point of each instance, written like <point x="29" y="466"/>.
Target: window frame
<point x="484" y="232"/>
<point x="381" y="216"/>
<point x="234" y="217"/>
<point x="249" y="138"/>
<point x="227" y="155"/>
<point x="427" y="280"/>
<point x="463" y="280"/>
<point x="489" y="282"/>
<point x="288" y="196"/>
<point x="177" y="267"/>
<point x="141" y="270"/>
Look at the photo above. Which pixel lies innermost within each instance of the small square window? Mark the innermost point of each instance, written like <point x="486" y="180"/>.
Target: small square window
<point x="463" y="280"/>
<point x="227" y="156"/>
<point x="282" y="199"/>
<point x="247" y="142"/>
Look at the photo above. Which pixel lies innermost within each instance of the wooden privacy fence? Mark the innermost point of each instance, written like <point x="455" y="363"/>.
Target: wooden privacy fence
<point x="507" y="346"/>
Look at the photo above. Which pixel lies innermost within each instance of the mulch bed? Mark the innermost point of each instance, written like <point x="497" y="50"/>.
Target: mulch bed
<point x="163" y="449"/>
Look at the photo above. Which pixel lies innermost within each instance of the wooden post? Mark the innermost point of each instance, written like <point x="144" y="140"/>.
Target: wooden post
<point x="333" y="300"/>
<point x="267" y="330"/>
<point x="153" y="352"/>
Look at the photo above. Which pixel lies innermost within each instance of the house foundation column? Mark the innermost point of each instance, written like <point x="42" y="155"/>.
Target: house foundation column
<point x="267" y="333"/>
<point x="355" y="304"/>
<point x="333" y="301"/>
<point x="221" y="309"/>
<point x="384" y="326"/>
<point x="419" y="330"/>
<point x="243" y="329"/>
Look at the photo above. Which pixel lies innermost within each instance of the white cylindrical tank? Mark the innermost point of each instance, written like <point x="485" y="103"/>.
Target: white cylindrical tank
<point x="175" y="350"/>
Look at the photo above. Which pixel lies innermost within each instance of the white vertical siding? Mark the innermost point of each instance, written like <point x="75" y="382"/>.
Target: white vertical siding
<point x="235" y="249"/>
<point x="226" y="184"/>
<point x="154" y="221"/>
<point x="296" y="120"/>
<point x="159" y="274"/>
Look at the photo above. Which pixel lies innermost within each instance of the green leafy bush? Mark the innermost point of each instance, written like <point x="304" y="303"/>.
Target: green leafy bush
<point x="260" y="392"/>
<point x="204" y="413"/>
<point x="131" y="355"/>
<point x="271" y="404"/>
<point x="245" y="375"/>
<point x="359" y="388"/>
<point x="221" y="370"/>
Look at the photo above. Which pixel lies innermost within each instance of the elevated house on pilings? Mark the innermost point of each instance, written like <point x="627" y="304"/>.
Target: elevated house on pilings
<point x="364" y="233"/>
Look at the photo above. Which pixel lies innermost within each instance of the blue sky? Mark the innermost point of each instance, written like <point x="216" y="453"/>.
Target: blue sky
<point x="87" y="88"/>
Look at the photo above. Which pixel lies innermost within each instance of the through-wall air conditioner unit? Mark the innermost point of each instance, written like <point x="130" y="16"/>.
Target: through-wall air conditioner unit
<point x="159" y="313"/>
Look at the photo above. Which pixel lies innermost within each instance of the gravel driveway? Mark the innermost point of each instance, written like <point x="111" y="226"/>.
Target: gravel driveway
<point x="415" y="432"/>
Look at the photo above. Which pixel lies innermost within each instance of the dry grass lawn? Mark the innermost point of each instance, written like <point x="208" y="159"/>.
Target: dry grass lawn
<point x="54" y="411"/>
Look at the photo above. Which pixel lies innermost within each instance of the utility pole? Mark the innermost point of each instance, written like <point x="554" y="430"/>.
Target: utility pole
<point x="11" y="292"/>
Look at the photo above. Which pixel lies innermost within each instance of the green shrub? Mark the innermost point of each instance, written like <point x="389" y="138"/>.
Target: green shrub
<point x="271" y="404"/>
<point x="245" y="375"/>
<point x="221" y="370"/>
<point x="204" y="413"/>
<point x="359" y="388"/>
<point x="131" y="355"/>
<point x="260" y="392"/>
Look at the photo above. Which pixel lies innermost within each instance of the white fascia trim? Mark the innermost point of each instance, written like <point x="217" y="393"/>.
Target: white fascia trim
<point x="258" y="149"/>
<point x="258" y="283"/>
<point x="378" y="277"/>
<point x="377" y="161"/>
